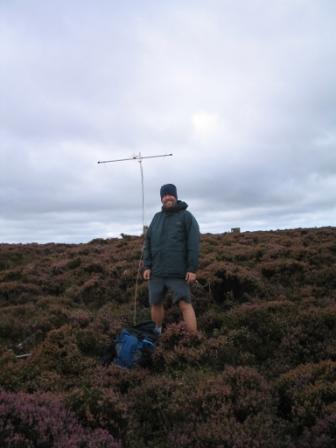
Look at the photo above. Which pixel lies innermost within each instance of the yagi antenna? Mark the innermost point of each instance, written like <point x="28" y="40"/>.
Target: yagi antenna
<point x="139" y="158"/>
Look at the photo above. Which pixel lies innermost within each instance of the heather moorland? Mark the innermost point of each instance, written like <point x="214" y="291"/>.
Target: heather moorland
<point x="261" y="371"/>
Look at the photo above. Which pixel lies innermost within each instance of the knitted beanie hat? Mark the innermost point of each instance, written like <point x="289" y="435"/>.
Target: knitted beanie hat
<point x="168" y="189"/>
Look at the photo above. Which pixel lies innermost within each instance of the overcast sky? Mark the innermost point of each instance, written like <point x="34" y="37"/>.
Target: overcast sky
<point x="242" y="93"/>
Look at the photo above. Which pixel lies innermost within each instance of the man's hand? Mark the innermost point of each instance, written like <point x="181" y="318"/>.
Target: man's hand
<point x="190" y="277"/>
<point x="147" y="274"/>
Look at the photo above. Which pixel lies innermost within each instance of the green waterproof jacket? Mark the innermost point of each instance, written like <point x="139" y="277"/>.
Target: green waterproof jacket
<point x="172" y="242"/>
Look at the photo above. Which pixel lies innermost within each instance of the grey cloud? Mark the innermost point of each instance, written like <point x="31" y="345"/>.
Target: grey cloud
<point x="242" y="94"/>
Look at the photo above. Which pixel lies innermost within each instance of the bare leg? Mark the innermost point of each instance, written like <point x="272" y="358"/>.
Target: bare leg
<point x="189" y="315"/>
<point x="157" y="314"/>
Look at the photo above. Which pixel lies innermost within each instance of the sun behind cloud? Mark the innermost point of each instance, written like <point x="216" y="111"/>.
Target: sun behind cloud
<point x="205" y="125"/>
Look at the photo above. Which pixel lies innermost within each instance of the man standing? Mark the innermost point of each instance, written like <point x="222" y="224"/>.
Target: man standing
<point x="171" y="257"/>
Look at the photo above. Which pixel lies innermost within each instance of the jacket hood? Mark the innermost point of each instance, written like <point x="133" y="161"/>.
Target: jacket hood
<point x="180" y="205"/>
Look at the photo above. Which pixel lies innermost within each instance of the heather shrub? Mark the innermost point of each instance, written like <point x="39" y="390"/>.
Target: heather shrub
<point x="23" y="327"/>
<point x="91" y="342"/>
<point x="142" y="294"/>
<point x="259" y="431"/>
<point x="17" y="292"/>
<point x="12" y="328"/>
<point x="11" y="256"/>
<point x="310" y="336"/>
<point x="221" y="351"/>
<point x="94" y="267"/>
<point x="41" y="421"/>
<point x="234" y="408"/>
<point x="74" y="263"/>
<point x="321" y="435"/>
<point x="148" y="423"/>
<point x="231" y="349"/>
<point x="111" y="318"/>
<point x="80" y="318"/>
<point x="178" y="358"/>
<point x="240" y="281"/>
<point x="10" y="377"/>
<point x="14" y="274"/>
<point x="46" y="318"/>
<point x="211" y="320"/>
<point x="325" y="276"/>
<point x="257" y="329"/>
<point x="59" y="266"/>
<point x="98" y="242"/>
<point x="93" y="291"/>
<point x="178" y="335"/>
<point x="307" y="394"/>
<point x="59" y="352"/>
<point x="99" y="291"/>
<point x="31" y="375"/>
<point x="99" y="408"/>
<point x="113" y="377"/>
<point x="177" y="347"/>
<point x="54" y="285"/>
<point x="284" y="271"/>
<point x="36" y="380"/>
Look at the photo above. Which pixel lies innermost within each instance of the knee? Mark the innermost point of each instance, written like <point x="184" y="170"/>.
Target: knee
<point x="184" y="305"/>
<point x="157" y="307"/>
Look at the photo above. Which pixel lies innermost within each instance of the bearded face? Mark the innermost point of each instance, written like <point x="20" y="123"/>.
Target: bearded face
<point x="168" y="201"/>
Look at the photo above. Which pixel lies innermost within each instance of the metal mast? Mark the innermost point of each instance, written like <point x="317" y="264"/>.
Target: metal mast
<point x="139" y="158"/>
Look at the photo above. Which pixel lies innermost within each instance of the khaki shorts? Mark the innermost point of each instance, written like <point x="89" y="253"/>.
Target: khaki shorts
<point x="158" y="287"/>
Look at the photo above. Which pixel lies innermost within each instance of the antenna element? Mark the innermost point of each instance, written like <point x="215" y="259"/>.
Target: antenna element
<point x="139" y="158"/>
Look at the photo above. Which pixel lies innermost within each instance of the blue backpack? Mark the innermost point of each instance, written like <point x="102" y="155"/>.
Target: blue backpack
<point x="133" y="346"/>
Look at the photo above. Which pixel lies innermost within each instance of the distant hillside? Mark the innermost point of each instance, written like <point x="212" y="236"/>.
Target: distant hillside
<point x="260" y="373"/>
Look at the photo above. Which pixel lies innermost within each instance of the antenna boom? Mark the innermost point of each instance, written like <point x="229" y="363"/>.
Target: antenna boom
<point x="139" y="157"/>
